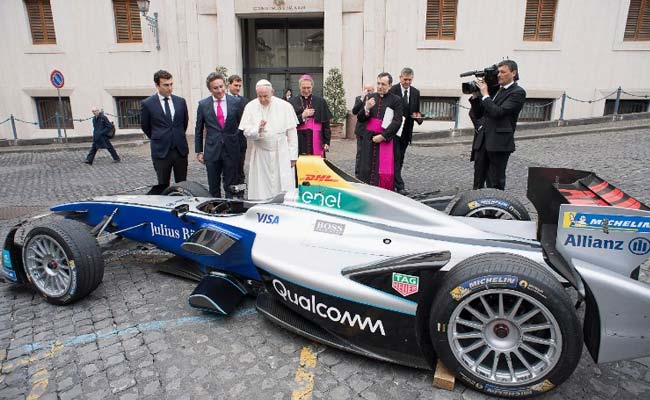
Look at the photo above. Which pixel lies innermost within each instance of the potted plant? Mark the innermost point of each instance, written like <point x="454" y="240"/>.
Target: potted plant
<point x="334" y="94"/>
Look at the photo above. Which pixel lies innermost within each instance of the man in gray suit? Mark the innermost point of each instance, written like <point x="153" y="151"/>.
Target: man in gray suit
<point x="219" y="116"/>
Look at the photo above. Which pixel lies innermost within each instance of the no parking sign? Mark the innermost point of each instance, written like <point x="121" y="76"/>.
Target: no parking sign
<point x="56" y="78"/>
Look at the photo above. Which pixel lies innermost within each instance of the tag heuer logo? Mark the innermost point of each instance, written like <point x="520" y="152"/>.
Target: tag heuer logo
<point x="405" y="284"/>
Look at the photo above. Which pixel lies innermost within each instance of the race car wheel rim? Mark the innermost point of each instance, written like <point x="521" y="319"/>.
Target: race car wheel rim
<point x="490" y="212"/>
<point x="48" y="266"/>
<point x="505" y="337"/>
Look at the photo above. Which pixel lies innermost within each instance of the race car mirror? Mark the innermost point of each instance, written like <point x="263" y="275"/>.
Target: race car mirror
<point x="180" y="211"/>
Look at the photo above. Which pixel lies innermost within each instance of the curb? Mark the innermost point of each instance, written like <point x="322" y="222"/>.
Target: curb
<point x="469" y="140"/>
<point x="50" y="148"/>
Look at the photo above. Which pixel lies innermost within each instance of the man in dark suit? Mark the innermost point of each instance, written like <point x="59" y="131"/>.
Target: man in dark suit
<point x="219" y="115"/>
<point x="101" y="128"/>
<point x="495" y="119"/>
<point x="411" y="108"/>
<point x="234" y="89"/>
<point x="359" y="101"/>
<point x="164" y="120"/>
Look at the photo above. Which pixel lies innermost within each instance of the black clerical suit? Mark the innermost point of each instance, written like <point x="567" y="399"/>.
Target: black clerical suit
<point x="242" y="144"/>
<point x="168" y="141"/>
<point x="370" y="164"/>
<point x="221" y="152"/>
<point x="411" y="104"/>
<point x="358" y="106"/>
<point x="321" y="115"/>
<point x="495" y="120"/>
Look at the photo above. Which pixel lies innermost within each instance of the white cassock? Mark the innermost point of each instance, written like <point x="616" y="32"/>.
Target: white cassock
<point x="270" y="171"/>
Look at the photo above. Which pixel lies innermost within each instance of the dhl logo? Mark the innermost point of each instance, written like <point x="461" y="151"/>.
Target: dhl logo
<point x="320" y="178"/>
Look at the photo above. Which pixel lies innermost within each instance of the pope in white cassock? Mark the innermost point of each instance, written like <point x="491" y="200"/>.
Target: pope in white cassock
<point x="270" y="125"/>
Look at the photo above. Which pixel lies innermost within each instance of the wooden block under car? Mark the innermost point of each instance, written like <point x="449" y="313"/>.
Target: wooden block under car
<point x="443" y="378"/>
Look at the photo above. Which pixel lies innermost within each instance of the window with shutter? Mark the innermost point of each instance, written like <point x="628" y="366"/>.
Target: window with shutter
<point x="441" y="19"/>
<point x="438" y="108"/>
<point x="48" y="108"/>
<point x="637" y="27"/>
<point x="127" y="21"/>
<point x="539" y="20"/>
<point x="41" y="23"/>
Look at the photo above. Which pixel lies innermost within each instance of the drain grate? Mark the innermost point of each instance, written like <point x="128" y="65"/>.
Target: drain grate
<point x="11" y="212"/>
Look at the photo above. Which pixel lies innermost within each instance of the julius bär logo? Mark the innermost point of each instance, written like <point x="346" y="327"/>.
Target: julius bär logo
<point x="320" y="178"/>
<point x="405" y="284"/>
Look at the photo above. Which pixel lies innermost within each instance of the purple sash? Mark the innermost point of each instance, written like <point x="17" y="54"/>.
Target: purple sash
<point x="386" y="157"/>
<point x="316" y="128"/>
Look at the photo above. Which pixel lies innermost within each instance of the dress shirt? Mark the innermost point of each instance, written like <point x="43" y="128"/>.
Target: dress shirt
<point x="161" y="98"/>
<point x="224" y="107"/>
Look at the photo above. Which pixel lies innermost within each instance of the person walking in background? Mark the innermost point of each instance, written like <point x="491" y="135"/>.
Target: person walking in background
<point x="219" y="115"/>
<point x="495" y="119"/>
<point x="359" y="101"/>
<point x="101" y="129"/>
<point x="164" y="119"/>
<point x="270" y="123"/>
<point x="313" y="118"/>
<point x="411" y="109"/>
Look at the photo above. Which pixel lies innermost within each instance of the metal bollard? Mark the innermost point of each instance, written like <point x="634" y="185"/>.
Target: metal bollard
<point x="58" y="123"/>
<point x="13" y="126"/>
<point x="456" y="114"/>
<point x="618" y="100"/>
<point x="562" y="108"/>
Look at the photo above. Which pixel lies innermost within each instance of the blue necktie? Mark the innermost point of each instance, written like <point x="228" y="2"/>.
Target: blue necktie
<point x="168" y="110"/>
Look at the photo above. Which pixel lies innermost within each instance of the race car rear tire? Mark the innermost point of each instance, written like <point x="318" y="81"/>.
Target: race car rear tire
<point x="62" y="261"/>
<point x="505" y="326"/>
<point x="489" y="203"/>
<point x="186" y="188"/>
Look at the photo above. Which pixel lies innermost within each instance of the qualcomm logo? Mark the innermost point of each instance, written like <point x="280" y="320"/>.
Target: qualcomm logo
<point x="324" y="311"/>
<point x="639" y="246"/>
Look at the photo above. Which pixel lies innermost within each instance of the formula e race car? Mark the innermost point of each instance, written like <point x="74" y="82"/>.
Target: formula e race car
<point x="370" y="271"/>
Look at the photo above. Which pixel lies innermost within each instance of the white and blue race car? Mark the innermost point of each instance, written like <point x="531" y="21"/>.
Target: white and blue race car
<point x="370" y="271"/>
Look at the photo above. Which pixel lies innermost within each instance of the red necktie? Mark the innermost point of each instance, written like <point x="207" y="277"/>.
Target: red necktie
<point x="220" y="117"/>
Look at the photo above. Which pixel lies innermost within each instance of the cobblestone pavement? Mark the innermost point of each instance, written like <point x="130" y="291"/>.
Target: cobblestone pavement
<point x="136" y="337"/>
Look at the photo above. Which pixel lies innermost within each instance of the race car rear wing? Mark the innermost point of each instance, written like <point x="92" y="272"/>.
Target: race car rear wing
<point x="548" y="188"/>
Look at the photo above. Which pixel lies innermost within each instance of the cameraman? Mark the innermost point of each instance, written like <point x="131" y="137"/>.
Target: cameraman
<point x="495" y="120"/>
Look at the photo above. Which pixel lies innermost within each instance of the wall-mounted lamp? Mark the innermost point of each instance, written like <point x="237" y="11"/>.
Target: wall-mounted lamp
<point x="143" y="6"/>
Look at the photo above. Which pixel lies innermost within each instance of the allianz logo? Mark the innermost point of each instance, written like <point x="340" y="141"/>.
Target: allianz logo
<point x="311" y="304"/>
<point x="319" y="199"/>
<point x="589" y="241"/>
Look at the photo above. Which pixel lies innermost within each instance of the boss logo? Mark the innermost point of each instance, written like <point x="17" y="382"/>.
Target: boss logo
<point x="329" y="227"/>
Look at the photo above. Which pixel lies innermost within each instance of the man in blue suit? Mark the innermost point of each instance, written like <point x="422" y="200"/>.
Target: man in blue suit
<point x="164" y="120"/>
<point x="219" y="115"/>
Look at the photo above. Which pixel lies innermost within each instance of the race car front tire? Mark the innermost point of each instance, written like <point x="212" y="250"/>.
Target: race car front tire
<point x="186" y="188"/>
<point x="489" y="203"/>
<point x="62" y="261"/>
<point x="505" y="326"/>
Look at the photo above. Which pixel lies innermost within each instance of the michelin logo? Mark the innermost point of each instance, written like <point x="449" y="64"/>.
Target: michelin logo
<point x="311" y="304"/>
<point x="631" y="223"/>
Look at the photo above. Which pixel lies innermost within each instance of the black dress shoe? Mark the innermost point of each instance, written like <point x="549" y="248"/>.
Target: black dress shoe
<point x="118" y="160"/>
<point x="88" y="162"/>
<point x="403" y="192"/>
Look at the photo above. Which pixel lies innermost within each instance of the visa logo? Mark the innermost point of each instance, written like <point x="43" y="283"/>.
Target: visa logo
<point x="267" y="218"/>
<point x="589" y="242"/>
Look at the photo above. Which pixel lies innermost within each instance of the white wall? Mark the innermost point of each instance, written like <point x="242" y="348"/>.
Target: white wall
<point x="587" y="57"/>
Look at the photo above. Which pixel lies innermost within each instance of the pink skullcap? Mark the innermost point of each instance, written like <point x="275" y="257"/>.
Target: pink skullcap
<point x="306" y="77"/>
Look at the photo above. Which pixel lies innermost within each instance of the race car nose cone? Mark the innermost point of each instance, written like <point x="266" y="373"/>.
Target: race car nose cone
<point x="501" y="330"/>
